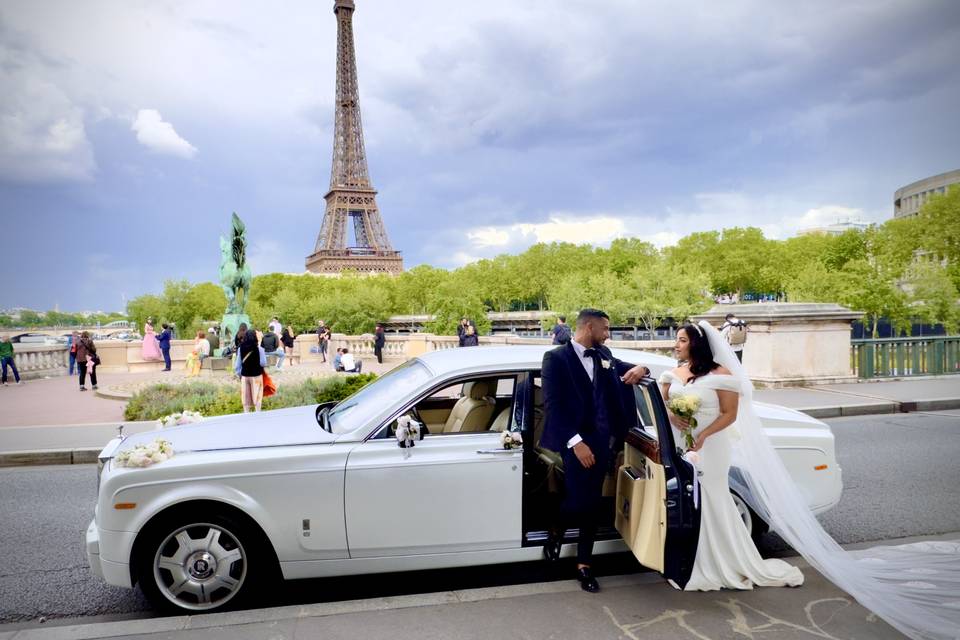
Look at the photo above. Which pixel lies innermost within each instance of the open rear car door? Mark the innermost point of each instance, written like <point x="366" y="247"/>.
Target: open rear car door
<point x="655" y="513"/>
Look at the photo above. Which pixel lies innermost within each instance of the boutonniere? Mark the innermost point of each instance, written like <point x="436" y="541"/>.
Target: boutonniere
<point x="605" y="364"/>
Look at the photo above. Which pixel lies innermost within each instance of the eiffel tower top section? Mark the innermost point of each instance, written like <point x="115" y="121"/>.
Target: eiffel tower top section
<point x="349" y="169"/>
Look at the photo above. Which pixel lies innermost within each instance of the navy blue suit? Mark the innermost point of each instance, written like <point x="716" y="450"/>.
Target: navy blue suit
<point x="164" y="340"/>
<point x="601" y="412"/>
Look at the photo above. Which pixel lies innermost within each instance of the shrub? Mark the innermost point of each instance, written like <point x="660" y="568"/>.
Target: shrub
<point x="213" y="399"/>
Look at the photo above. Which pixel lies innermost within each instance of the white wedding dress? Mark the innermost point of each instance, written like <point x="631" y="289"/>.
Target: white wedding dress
<point x="726" y="556"/>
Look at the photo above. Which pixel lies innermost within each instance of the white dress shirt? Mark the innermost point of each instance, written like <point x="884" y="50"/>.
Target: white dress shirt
<point x="587" y="363"/>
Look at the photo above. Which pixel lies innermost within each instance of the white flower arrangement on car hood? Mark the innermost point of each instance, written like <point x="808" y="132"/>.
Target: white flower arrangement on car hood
<point x="144" y="455"/>
<point x="181" y="417"/>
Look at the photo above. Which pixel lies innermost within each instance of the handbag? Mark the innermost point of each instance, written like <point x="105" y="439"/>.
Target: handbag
<point x="269" y="386"/>
<point x="96" y="360"/>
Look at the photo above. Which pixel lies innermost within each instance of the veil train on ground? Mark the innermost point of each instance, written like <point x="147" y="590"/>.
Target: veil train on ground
<point x="914" y="587"/>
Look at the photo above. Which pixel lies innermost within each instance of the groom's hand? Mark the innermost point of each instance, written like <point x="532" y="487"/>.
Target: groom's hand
<point x="635" y="375"/>
<point x="584" y="454"/>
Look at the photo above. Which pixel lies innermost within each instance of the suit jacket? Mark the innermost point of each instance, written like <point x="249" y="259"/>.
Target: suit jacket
<point x="568" y="397"/>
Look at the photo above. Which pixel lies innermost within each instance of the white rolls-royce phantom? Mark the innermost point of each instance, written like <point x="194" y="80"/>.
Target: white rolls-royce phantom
<point x="329" y="490"/>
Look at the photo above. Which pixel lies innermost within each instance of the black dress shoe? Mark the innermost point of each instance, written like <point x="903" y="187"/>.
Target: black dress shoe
<point x="551" y="548"/>
<point x="587" y="581"/>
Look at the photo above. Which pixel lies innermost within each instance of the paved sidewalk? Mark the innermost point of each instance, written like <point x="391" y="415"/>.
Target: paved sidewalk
<point x="630" y="606"/>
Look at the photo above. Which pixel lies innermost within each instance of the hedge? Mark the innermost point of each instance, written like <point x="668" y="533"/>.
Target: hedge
<point x="212" y="399"/>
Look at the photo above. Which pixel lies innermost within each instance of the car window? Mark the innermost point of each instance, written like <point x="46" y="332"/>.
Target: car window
<point x="645" y="411"/>
<point x="471" y="414"/>
<point x="357" y="410"/>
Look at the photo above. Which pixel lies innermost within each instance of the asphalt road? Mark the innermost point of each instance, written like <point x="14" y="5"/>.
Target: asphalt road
<point x="900" y="474"/>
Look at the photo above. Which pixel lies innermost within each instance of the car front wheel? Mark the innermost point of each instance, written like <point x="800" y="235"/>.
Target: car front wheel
<point x="196" y="563"/>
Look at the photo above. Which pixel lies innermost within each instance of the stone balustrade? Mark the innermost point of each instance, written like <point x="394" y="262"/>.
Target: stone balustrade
<point x="788" y="344"/>
<point x="41" y="361"/>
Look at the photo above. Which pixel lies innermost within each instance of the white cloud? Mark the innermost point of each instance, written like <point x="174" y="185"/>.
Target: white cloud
<point x="159" y="136"/>
<point x="489" y="237"/>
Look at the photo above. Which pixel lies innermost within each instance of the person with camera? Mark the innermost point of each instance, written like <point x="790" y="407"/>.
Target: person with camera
<point x="87" y="360"/>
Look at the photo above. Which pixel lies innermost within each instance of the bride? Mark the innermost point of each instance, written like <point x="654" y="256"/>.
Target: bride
<point x="726" y="556"/>
<point x="914" y="587"/>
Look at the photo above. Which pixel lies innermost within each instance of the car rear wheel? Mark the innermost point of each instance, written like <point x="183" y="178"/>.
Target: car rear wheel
<point x="756" y="527"/>
<point x="198" y="563"/>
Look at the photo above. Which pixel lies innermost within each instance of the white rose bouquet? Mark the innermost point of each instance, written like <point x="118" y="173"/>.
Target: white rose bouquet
<point x="686" y="406"/>
<point x="181" y="417"/>
<point x="144" y="455"/>
<point x="511" y="439"/>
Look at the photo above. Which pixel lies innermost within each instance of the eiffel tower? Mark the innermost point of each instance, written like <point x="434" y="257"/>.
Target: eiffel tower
<point x="352" y="198"/>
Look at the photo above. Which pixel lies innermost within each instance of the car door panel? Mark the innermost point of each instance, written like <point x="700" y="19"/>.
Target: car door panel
<point x="448" y="493"/>
<point x="655" y="512"/>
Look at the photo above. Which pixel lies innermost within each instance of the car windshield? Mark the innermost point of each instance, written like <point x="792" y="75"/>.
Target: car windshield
<point x="361" y="407"/>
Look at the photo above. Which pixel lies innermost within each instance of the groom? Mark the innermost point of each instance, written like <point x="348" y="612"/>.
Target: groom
<point x="588" y="412"/>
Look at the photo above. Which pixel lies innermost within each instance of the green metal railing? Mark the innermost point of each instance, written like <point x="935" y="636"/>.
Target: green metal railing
<point x="899" y="357"/>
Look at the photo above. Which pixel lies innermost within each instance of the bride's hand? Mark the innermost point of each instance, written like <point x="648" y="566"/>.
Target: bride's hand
<point x="698" y="443"/>
<point x="679" y="422"/>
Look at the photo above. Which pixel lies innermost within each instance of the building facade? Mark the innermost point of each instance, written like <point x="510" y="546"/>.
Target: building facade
<point x="908" y="200"/>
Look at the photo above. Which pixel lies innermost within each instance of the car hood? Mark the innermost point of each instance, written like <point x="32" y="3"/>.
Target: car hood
<point x="283" y="427"/>
<point x="769" y="413"/>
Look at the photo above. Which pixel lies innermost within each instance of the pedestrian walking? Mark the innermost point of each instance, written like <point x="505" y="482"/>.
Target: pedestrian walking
<point x="275" y="326"/>
<point x="561" y="331"/>
<point x="470" y="338"/>
<point x="87" y="360"/>
<point x="323" y="338"/>
<point x="213" y="339"/>
<point x="163" y="340"/>
<point x="6" y="356"/>
<point x="734" y="331"/>
<point x="72" y="350"/>
<point x="251" y="360"/>
<point x="288" y="338"/>
<point x="379" y="340"/>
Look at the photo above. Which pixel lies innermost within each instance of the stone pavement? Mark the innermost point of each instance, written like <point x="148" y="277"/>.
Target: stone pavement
<point x="628" y="606"/>
<point x="51" y="422"/>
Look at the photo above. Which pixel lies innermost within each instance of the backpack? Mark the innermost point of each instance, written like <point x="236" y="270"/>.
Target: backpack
<point x="737" y="334"/>
<point x="562" y="334"/>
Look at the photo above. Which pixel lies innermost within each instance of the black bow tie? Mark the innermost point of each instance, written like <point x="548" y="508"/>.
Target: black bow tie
<point x="590" y="353"/>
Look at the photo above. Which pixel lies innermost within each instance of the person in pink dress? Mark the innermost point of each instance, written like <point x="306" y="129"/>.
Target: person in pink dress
<point x="151" y="349"/>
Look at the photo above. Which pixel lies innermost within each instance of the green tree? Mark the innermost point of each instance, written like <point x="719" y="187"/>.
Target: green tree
<point x="143" y="307"/>
<point x="661" y="291"/>
<point x="938" y="225"/>
<point x="933" y="295"/>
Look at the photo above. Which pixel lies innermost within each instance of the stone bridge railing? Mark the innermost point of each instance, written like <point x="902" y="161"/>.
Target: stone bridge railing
<point x="40" y="361"/>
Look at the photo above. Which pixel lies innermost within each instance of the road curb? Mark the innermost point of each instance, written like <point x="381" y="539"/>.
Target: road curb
<point x="49" y="456"/>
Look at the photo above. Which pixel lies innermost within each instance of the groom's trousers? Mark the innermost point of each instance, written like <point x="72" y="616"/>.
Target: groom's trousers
<point x="584" y="492"/>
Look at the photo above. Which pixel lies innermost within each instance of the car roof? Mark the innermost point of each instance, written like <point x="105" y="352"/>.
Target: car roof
<point x="511" y="358"/>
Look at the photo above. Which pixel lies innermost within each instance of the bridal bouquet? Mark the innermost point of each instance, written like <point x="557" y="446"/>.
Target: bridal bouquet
<point x="511" y="439"/>
<point x="144" y="455"/>
<point x="181" y="417"/>
<point x="686" y="406"/>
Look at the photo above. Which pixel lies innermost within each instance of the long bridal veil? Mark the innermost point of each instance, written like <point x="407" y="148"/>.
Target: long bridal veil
<point x="914" y="587"/>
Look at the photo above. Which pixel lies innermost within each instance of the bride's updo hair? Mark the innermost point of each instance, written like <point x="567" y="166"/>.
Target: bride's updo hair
<point x="701" y="355"/>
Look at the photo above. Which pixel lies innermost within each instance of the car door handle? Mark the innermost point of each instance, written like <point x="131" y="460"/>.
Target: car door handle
<point x="495" y="452"/>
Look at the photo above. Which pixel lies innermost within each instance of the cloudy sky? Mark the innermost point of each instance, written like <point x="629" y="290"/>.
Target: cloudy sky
<point x="129" y="130"/>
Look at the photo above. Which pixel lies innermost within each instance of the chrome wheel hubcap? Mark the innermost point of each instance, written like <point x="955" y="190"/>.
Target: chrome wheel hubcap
<point x="200" y="566"/>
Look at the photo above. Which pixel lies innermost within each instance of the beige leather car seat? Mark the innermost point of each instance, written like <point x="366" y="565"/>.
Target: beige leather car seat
<point x="472" y="411"/>
<point x="502" y="421"/>
<point x="551" y="459"/>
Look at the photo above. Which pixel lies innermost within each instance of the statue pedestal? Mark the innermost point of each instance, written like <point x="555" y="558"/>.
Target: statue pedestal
<point x="229" y="325"/>
<point x="793" y="344"/>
